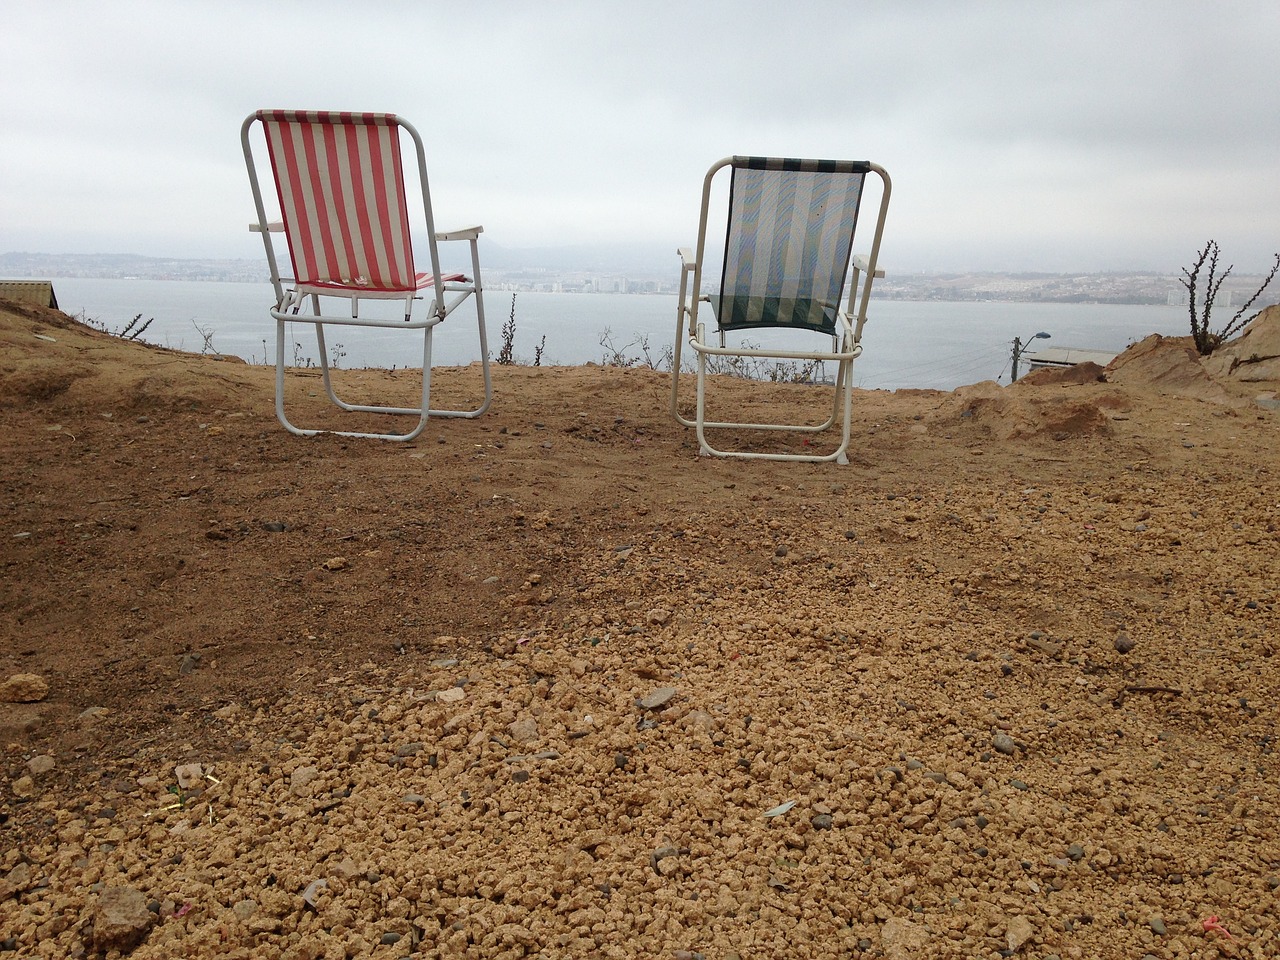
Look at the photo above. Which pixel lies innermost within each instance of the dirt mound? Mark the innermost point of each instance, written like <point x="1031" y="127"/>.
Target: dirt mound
<point x="1168" y="365"/>
<point x="46" y="356"/>
<point x="1087" y="372"/>
<point x="1042" y="409"/>
<point x="1254" y="356"/>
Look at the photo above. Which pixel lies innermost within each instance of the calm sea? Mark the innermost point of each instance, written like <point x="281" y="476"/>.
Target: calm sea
<point x="905" y="343"/>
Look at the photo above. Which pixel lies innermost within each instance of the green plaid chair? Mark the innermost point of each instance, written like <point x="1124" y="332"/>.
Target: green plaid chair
<point x="788" y="254"/>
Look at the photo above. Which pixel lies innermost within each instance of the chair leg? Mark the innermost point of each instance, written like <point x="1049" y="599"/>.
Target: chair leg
<point x="675" y="368"/>
<point x="421" y="411"/>
<point x="842" y="403"/>
<point x="484" y="346"/>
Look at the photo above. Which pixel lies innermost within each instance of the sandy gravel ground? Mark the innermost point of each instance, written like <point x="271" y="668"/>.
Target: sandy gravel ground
<point x="548" y="684"/>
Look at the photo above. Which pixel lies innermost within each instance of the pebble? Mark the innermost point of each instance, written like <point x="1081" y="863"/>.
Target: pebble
<point x="1003" y="743"/>
<point x="524" y="730"/>
<point x="41" y="764"/>
<point x="1123" y="643"/>
<point x="24" y="688"/>
<point x="1018" y="933"/>
<point x="658" y="698"/>
<point x="120" y="919"/>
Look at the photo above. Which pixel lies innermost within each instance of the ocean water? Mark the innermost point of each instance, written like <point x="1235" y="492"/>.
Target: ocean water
<point x="922" y="344"/>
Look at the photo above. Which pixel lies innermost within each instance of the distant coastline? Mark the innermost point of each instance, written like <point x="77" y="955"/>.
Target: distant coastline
<point x="516" y="272"/>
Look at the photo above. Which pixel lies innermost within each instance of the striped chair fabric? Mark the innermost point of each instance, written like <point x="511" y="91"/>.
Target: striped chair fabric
<point x="790" y="235"/>
<point x="340" y="180"/>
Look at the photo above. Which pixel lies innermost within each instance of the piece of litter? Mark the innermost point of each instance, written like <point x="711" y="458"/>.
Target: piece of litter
<point x="780" y="809"/>
<point x="183" y="910"/>
<point x="1211" y="924"/>
<point x="313" y="888"/>
<point x="46" y="339"/>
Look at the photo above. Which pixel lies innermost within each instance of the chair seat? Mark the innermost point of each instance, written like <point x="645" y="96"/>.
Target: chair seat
<point x="423" y="280"/>
<point x="737" y="312"/>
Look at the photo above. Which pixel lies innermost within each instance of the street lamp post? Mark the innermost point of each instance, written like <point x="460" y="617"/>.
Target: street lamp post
<point x="1019" y="348"/>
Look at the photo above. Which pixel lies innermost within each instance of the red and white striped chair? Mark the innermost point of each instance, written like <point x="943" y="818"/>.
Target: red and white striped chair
<point x="344" y="211"/>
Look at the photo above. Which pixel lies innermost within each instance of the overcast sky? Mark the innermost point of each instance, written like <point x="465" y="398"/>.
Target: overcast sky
<point x="1056" y="136"/>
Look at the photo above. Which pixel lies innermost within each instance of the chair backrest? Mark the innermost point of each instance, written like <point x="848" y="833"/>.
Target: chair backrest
<point x="790" y="235"/>
<point x="340" y="181"/>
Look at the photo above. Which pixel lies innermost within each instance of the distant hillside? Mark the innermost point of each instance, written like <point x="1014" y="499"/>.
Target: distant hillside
<point x="652" y="269"/>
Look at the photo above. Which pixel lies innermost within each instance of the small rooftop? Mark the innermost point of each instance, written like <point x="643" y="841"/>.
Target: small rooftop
<point x="39" y="292"/>
<point x="1068" y="357"/>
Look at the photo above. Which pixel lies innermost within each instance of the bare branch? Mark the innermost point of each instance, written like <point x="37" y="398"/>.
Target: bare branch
<point x="1236" y="323"/>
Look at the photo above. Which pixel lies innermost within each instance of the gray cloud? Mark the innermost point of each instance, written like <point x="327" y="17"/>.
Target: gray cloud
<point x="1090" y="135"/>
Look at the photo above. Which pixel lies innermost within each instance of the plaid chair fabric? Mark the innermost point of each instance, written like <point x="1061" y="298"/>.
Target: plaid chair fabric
<point x="790" y="234"/>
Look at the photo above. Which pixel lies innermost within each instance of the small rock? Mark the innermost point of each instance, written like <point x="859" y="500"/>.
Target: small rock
<point x="524" y="730"/>
<point x="903" y="940"/>
<point x="1123" y="643"/>
<point x="274" y="526"/>
<point x="389" y="938"/>
<point x="658" y="616"/>
<point x="190" y="662"/>
<point x="23" y="788"/>
<point x="1003" y="743"/>
<point x="121" y="919"/>
<point x="301" y="779"/>
<point x="1019" y="932"/>
<point x="659" y="698"/>
<point x="452" y="695"/>
<point x="189" y="775"/>
<point x="40" y="764"/>
<point x="1048" y="647"/>
<point x="23" y="688"/>
<point x="822" y="821"/>
<point x="1075" y="853"/>
<point x="1158" y="927"/>
<point x="244" y="909"/>
<point x="17" y="880"/>
<point x="335" y="563"/>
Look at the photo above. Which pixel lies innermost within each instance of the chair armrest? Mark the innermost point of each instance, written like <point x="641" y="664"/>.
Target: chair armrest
<point x="276" y="226"/>
<point x="465" y="233"/>
<point x="686" y="257"/>
<point x="861" y="263"/>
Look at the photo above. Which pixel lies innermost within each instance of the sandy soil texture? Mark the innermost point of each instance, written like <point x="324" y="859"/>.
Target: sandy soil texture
<point x="547" y="683"/>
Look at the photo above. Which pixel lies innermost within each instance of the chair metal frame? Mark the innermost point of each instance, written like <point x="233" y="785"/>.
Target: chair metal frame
<point x="846" y="341"/>
<point x="448" y="290"/>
